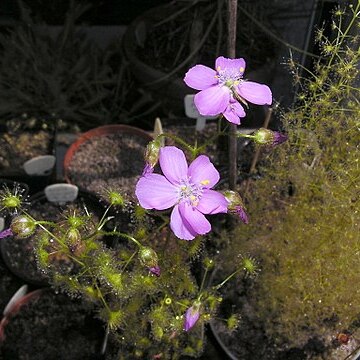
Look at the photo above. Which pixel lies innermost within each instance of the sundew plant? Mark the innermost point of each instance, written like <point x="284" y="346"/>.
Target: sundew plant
<point x="142" y="280"/>
<point x="305" y="207"/>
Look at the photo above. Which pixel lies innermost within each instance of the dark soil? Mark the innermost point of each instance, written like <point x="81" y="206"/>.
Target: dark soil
<point x="110" y="161"/>
<point x="17" y="148"/>
<point x="53" y="327"/>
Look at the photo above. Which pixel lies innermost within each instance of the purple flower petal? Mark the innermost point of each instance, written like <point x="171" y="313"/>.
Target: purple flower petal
<point x="154" y="191"/>
<point x="238" y="65"/>
<point x="255" y="93"/>
<point x="6" y="233"/>
<point x="173" y="164"/>
<point x="212" y="101"/>
<point x="200" y="77"/>
<point x="212" y="202"/>
<point x="148" y="169"/>
<point x="191" y="317"/>
<point x="240" y="211"/>
<point x="234" y="112"/>
<point x="194" y="218"/>
<point x="279" y="138"/>
<point x="180" y="227"/>
<point x="155" y="270"/>
<point x="202" y="171"/>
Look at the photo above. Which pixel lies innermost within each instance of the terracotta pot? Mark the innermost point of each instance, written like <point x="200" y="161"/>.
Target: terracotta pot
<point x="116" y="163"/>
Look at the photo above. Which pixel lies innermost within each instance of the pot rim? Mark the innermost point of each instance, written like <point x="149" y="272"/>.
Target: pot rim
<point x="96" y="132"/>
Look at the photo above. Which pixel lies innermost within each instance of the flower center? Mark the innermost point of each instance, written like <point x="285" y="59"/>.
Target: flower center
<point x="229" y="77"/>
<point x="190" y="192"/>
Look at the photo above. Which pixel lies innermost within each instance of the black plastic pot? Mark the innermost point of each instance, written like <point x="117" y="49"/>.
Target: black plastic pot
<point x="46" y="325"/>
<point x="18" y="254"/>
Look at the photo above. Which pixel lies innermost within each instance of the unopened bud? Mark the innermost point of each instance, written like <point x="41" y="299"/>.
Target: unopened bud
<point x="22" y="226"/>
<point x="192" y="315"/>
<point x="236" y="205"/>
<point x="151" y="155"/>
<point x="149" y="258"/>
<point x="268" y="137"/>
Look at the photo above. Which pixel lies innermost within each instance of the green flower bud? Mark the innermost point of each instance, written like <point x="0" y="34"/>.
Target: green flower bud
<point x="22" y="226"/>
<point x="148" y="257"/>
<point x="73" y="237"/>
<point x="151" y="155"/>
<point x="268" y="137"/>
<point x="236" y="205"/>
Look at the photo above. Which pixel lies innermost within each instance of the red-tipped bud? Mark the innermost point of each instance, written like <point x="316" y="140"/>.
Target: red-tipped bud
<point x="268" y="137"/>
<point x="22" y="226"/>
<point x="236" y="205"/>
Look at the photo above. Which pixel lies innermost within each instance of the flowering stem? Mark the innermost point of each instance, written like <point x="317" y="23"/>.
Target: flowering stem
<point x="203" y="280"/>
<point x="180" y="141"/>
<point x="217" y="287"/>
<point x="232" y="19"/>
<point x="129" y="260"/>
<point x="123" y="235"/>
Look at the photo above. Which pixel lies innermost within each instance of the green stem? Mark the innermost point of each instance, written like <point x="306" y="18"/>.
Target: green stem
<point x="128" y="262"/>
<point x="217" y="287"/>
<point x="178" y="140"/>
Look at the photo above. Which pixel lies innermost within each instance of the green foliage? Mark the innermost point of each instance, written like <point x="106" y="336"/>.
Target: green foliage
<point x="304" y="211"/>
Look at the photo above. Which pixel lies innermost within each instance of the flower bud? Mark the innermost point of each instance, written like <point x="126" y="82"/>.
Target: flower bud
<point x="236" y="205"/>
<point x="73" y="236"/>
<point x="268" y="137"/>
<point x="22" y="226"/>
<point x="151" y="156"/>
<point x="192" y="315"/>
<point x="148" y="257"/>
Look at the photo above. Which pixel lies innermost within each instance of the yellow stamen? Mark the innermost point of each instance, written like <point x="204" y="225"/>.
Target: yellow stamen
<point x="242" y="69"/>
<point x="218" y="68"/>
<point x="205" y="182"/>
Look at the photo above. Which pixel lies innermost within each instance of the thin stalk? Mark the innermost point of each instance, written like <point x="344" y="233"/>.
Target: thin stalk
<point x="217" y="287"/>
<point x="232" y="19"/>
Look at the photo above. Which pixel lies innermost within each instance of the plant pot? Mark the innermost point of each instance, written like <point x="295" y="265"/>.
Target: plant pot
<point x="18" y="254"/>
<point x="106" y="157"/>
<point x="160" y="50"/>
<point x="27" y="151"/>
<point x="48" y="325"/>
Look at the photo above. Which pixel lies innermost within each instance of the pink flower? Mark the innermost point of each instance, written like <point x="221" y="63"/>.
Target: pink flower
<point x="223" y="88"/>
<point x="186" y="188"/>
<point x="192" y="315"/>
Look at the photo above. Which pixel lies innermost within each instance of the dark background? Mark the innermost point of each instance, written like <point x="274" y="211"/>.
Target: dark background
<point x="102" y="12"/>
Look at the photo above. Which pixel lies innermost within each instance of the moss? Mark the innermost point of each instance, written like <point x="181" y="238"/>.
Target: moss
<point x="304" y="210"/>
